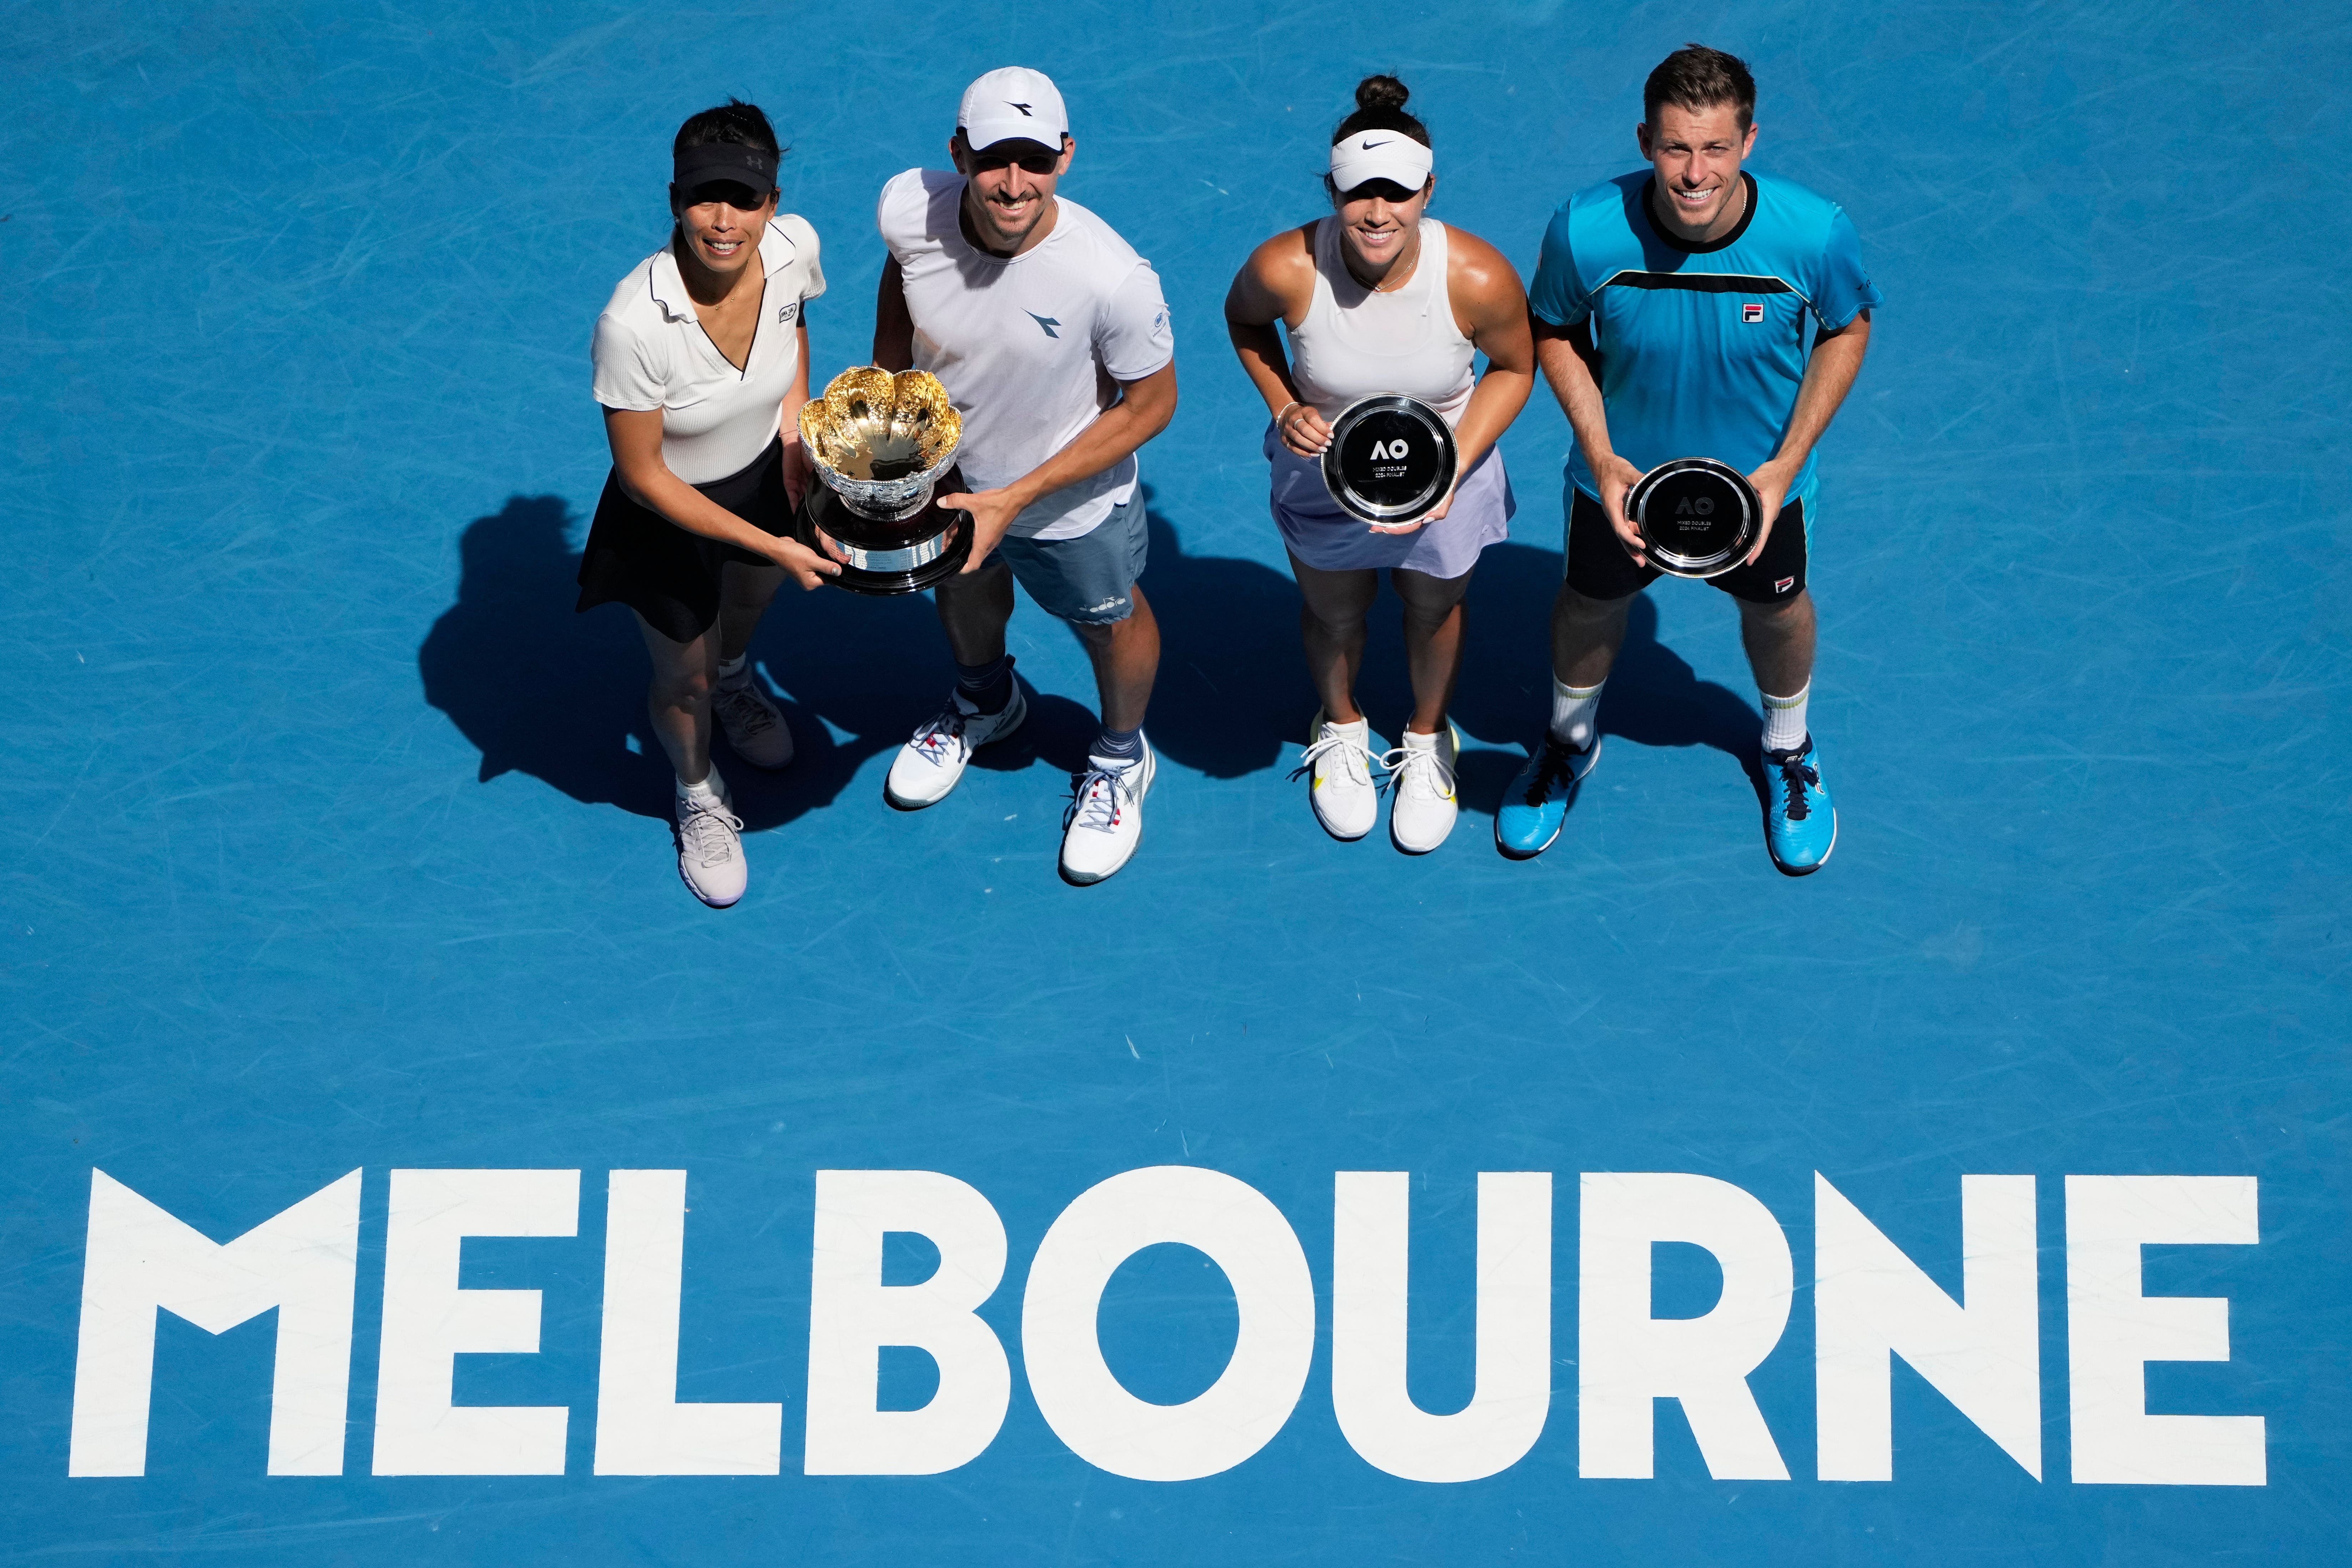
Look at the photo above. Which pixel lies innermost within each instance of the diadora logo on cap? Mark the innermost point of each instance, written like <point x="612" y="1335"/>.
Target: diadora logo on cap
<point x="1048" y="322"/>
<point x="1751" y="312"/>
<point x="1021" y="106"/>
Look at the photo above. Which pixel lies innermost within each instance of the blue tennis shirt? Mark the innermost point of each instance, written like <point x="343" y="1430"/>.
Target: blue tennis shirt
<point x="1702" y="346"/>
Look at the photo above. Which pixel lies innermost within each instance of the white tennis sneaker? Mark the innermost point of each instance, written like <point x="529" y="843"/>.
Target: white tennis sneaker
<point x="1105" y="822"/>
<point x="753" y="725"/>
<point x="928" y="765"/>
<point x="1337" y="763"/>
<point x="1421" y="807"/>
<point x="711" y="846"/>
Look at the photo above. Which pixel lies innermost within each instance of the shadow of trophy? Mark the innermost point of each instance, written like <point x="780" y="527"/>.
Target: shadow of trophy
<point x="882" y="445"/>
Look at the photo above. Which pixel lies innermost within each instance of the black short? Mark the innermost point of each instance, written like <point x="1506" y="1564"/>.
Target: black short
<point x="637" y="557"/>
<point x="1599" y="568"/>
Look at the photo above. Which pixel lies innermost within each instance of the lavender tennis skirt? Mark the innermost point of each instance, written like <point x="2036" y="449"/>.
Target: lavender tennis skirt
<point x="1328" y="540"/>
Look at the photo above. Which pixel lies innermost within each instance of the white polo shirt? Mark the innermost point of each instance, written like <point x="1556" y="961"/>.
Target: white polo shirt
<point x="651" y="352"/>
<point x="1023" y="345"/>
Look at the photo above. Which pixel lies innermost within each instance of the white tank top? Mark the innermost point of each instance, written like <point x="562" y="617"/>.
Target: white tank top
<point x="1355" y="342"/>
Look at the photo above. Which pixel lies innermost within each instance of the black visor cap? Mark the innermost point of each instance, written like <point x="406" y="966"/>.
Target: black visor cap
<point x="724" y="173"/>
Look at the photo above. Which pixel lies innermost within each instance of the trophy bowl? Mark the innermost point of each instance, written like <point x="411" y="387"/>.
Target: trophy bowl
<point x="1391" y="460"/>
<point x="1698" y="516"/>
<point x="881" y="444"/>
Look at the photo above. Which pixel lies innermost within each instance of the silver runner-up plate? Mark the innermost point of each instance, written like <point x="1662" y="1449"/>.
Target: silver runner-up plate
<point x="1697" y="517"/>
<point x="1392" y="458"/>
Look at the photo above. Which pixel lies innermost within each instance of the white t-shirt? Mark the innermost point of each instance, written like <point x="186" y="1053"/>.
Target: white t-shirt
<point x="652" y="353"/>
<point x="1023" y="345"/>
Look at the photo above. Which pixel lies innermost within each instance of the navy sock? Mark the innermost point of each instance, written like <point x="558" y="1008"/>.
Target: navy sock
<point x="987" y="687"/>
<point x="1119" y="745"/>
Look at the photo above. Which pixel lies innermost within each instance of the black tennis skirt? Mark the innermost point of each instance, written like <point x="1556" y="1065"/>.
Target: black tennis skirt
<point x="637" y="557"/>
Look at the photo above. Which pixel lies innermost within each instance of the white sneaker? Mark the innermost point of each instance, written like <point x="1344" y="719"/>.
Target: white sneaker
<point x="928" y="765"/>
<point x="1421" y="806"/>
<point x="1337" y="763"/>
<point x="710" y="846"/>
<point x="753" y="725"/>
<point x="1105" y="817"/>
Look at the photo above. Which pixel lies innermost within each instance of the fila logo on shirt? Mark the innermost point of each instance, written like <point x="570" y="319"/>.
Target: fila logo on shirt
<point x="1751" y="312"/>
<point x="1390" y="449"/>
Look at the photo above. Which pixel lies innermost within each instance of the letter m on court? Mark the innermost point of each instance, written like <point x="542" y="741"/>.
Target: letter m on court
<point x="141" y="1260"/>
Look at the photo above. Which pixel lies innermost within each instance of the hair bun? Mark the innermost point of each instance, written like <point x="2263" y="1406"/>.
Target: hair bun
<point x="1382" y="93"/>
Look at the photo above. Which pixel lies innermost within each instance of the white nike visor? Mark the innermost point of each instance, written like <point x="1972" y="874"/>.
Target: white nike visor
<point x="1013" y="103"/>
<point x="1391" y="156"/>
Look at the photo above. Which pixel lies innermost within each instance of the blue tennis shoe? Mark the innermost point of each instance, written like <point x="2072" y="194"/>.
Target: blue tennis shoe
<point x="1800" y="823"/>
<point x="1537" y="804"/>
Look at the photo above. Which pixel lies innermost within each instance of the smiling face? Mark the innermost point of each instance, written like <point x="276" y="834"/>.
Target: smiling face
<point x="1379" y="222"/>
<point x="1696" y="154"/>
<point x="723" y="235"/>
<point x="1009" y="189"/>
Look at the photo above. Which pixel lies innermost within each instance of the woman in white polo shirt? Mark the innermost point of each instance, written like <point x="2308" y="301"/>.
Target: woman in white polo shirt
<point x="701" y="365"/>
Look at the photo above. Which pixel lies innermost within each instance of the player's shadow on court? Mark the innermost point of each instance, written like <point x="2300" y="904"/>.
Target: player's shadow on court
<point x="1655" y="698"/>
<point x="542" y="690"/>
<point x="1233" y="693"/>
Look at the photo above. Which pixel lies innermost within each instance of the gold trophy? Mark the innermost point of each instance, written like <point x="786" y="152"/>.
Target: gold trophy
<point x="882" y="445"/>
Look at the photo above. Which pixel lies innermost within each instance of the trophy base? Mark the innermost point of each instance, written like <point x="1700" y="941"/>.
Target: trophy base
<point x="886" y="557"/>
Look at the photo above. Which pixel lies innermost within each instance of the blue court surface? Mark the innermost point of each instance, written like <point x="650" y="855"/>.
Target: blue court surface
<point x="334" y="842"/>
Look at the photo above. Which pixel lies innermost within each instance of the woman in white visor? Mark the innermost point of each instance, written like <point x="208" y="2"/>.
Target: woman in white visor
<point x="1381" y="299"/>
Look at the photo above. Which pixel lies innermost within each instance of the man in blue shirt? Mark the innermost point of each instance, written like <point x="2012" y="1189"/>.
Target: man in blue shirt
<point x="1693" y="310"/>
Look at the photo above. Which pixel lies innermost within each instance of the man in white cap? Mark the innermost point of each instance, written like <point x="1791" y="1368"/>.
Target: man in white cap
<point x="1051" y="338"/>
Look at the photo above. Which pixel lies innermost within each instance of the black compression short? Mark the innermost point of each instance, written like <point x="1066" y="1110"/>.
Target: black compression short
<point x="1599" y="568"/>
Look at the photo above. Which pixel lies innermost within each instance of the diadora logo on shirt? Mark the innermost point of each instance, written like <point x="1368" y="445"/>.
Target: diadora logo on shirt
<point x="1046" y="322"/>
<point x="1751" y="312"/>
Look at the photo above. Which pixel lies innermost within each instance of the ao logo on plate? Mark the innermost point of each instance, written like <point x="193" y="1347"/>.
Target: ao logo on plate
<point x="1390" y="449"/>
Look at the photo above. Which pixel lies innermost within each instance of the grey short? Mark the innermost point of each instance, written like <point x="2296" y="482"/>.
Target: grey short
<point x="1090" y="579"/>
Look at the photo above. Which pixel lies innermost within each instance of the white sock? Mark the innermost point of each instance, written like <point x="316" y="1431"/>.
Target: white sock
<point x="707" y="790"/>
<point x="735" y="671"/>
<point x="1576" y="713"/>
<point x="1358" y="729"/>
<point x="1415" y="741"/>
<point x="1784" y="719"/>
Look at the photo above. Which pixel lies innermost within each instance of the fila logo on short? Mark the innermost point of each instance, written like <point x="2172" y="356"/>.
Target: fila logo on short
<point x="1048" y="322"/>
<point x="1784" y="584"/>
<point x="1751" y="312"/>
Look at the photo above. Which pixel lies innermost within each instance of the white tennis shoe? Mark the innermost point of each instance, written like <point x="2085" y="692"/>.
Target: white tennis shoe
<point x="1337" y="763"/>
<point x="711" y="846"/>
<point x="928" y="765"/>
<point x="753" y="725"/>
<point x="1105" y="822"/>
<point x="1421" y="807"/>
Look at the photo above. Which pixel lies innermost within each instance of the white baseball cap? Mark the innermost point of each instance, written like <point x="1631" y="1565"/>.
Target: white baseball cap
<point x="1376" y="154"/>
<point x="1013" y="103"/>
